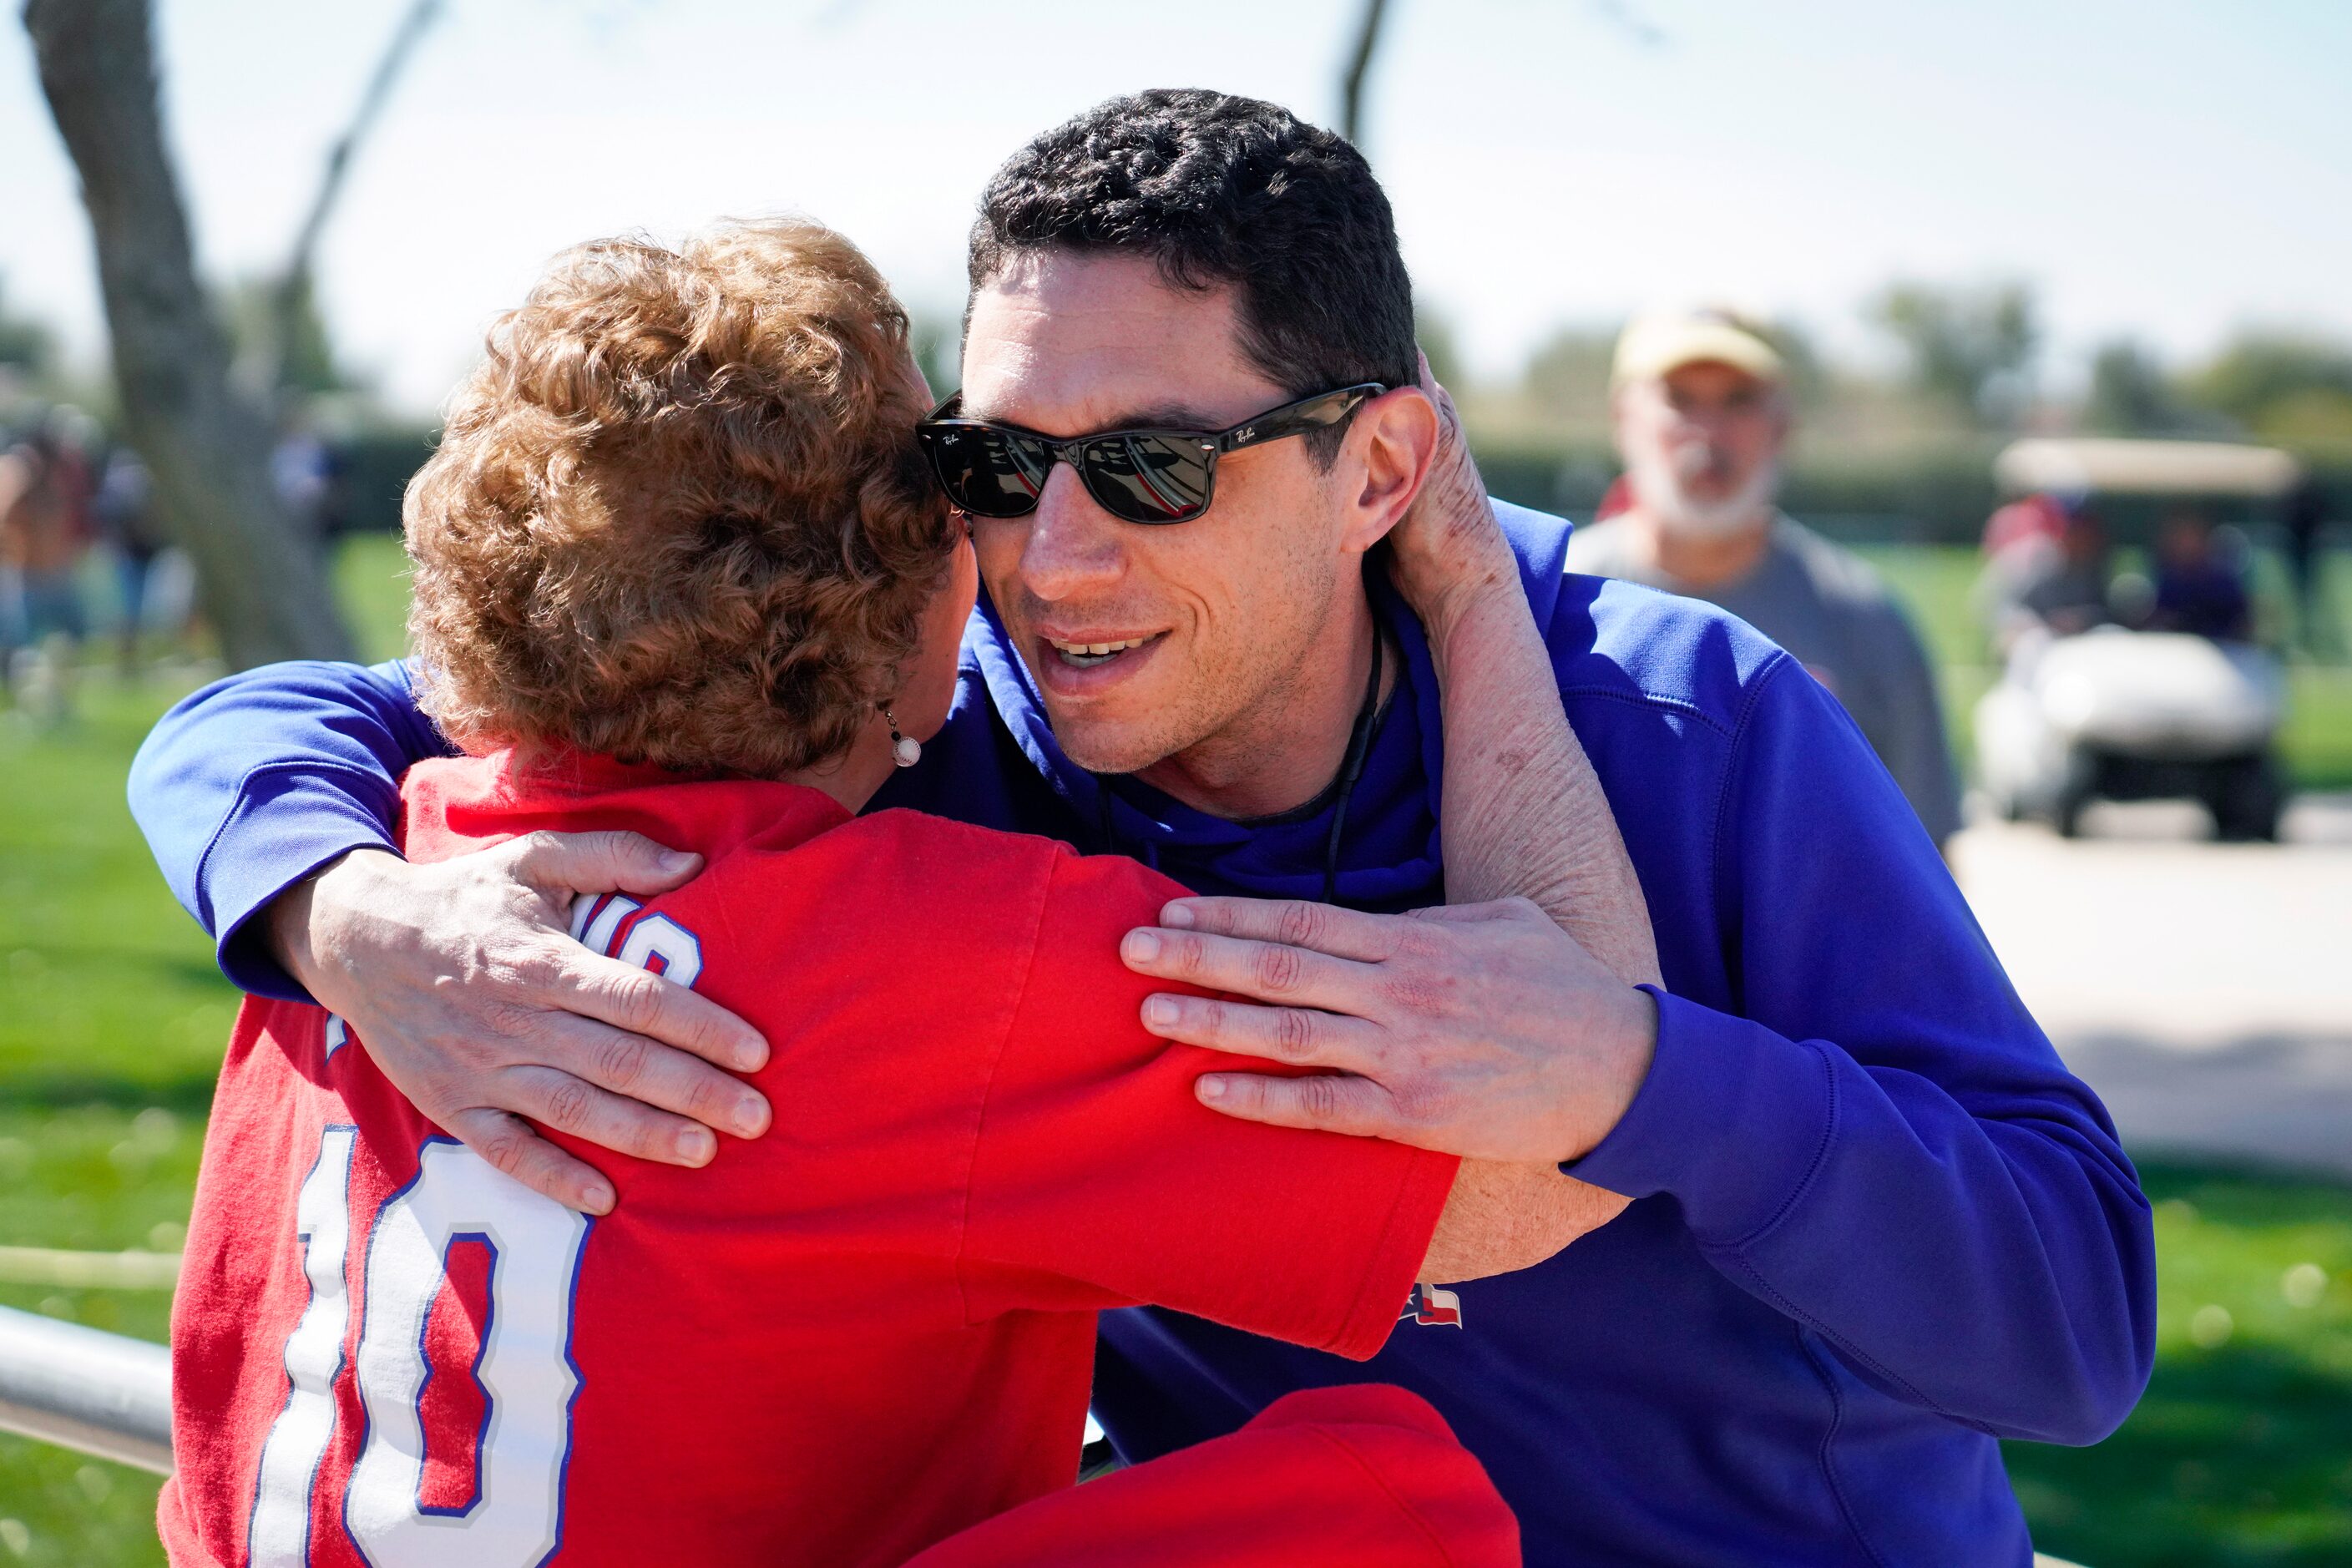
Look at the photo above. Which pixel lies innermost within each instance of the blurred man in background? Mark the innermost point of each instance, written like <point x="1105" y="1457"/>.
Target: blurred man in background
<point x="1700" y="408"/>
<point x="2018" y="523"/>
<point x="124" y="512"/>
<point x="2304" y="515"/>
<point x="2050" y="586"/>
<point x="45" y="489"/>
<point x="305" y="472"/>
<point x="2199" y="587"/>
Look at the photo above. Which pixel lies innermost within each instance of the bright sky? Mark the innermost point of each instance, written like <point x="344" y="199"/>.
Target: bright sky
<point x="2167" y="168"/>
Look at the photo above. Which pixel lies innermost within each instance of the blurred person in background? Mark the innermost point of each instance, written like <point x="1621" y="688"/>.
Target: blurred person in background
<point x="2039" y="516"/>
<point x="124" y="511"/>
<point x="2305" y="513"/>
<point x="306" y="473"/>
<point x="2051" y="587"/>
<point x="44" y="531"/>
<point x="1700" y="407"/>
<point x="2200" y="586"/>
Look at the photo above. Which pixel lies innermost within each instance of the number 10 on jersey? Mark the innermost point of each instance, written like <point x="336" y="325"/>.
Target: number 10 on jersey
<point x="514" y="1516"/>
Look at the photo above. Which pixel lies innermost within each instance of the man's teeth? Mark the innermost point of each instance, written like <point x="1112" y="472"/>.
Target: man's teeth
<point x="1086" y="653"/>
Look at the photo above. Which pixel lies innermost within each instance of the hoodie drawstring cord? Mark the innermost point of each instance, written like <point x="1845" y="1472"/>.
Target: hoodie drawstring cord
<point x="1359" y="747"/>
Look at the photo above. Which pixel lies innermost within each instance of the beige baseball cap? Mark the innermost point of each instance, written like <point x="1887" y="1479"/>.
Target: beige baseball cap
<point x="1658" y="342"/>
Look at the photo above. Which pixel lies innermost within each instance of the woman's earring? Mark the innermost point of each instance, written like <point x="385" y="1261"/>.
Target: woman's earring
<point x="903" y="752"/>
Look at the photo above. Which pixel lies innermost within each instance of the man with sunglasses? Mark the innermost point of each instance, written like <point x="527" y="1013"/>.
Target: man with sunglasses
<point x="1146" y="477"/>
<point x="1875" y="1224"/>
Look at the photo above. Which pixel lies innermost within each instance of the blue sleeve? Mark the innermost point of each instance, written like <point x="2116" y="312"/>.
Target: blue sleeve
<point x="257" y="780"/>
<point x="1883" y="1145"/>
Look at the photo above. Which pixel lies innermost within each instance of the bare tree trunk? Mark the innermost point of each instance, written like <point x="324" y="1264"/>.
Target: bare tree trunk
<point x="1359" y="62"/>
<point x="262" y="585"/>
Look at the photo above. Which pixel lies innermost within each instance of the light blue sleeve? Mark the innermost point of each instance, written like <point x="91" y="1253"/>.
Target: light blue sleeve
<point x="257" y="780"/>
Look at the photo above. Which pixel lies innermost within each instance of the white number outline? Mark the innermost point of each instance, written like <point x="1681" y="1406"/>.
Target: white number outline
<point x="388" y="1534"/>
<point x="281" y="1511"/>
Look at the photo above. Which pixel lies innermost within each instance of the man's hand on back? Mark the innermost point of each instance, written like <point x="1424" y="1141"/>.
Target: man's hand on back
<point x="462" y="981"/>
<point x="1482" y="1030"/>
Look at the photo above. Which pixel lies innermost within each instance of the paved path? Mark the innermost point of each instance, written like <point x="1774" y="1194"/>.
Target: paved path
<point x="2204" y="990"/>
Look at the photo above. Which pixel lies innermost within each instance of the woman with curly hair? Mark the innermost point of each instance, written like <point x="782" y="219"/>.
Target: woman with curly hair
<point x="681" y="569"/>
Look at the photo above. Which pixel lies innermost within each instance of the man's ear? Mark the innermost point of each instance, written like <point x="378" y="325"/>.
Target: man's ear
<point x="1390" y="449"/>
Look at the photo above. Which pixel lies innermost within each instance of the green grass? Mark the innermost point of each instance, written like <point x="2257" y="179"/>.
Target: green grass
<point x="2317" y="742"/>
<point x="114" y="1019"/>
<point x="2241" y="1451"/>
<point x="112" y="994"/>
<point x="372" y="580"/>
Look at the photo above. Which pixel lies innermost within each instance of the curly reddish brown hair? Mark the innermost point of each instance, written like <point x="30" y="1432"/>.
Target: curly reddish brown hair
<point x="680" y="516"/>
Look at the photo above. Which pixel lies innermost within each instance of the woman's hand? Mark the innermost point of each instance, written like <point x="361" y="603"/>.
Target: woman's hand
<point x="1449" y="549"/>
<point x="461" y="980"/>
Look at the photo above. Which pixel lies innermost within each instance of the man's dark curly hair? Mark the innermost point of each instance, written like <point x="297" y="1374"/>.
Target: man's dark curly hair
<point x="1220" y="190"/>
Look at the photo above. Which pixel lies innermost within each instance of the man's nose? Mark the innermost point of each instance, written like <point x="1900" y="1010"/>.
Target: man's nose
<point x="1074" y="545"/>
<point x="1695" y="423"/>
<point x="1703" y="433"/>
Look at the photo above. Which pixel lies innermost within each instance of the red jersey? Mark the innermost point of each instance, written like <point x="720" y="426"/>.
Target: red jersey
<point x="1362" y="1474"/>
<point x="838" y="1344"/>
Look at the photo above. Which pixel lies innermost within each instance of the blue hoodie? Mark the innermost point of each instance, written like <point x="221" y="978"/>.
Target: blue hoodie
<point x="1877" y="1226"/>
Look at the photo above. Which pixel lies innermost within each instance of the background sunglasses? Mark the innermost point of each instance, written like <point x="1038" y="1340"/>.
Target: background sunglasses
<point x="1136" y="476"/>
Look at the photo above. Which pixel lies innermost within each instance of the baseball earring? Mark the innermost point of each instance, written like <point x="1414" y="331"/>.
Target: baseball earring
<point x="903" y="752"/>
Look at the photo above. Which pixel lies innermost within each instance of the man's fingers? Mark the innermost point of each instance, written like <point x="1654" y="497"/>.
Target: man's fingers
<point x="1324" y="1102"/>
<point x="568" y="1104"/>
<point x="606" y="862"/>
<point x="1296" y="922"/>
<point x="1267" y="971"/>
<point x="1300" y="1036"/>
<point x="643" y="1003"/>
<point x="508" y="1143"/>
<point x="646" y="1070"/>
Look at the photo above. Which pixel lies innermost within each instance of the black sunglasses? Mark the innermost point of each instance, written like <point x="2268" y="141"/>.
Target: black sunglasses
<point x="1136" y="476"/>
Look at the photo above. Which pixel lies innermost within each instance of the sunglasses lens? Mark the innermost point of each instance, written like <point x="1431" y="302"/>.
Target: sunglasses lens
<point x="987" y="472"/>
<point x="1147" y="478"/>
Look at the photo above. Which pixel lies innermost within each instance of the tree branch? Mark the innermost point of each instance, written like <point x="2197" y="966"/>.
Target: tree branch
<point x="1352" y="83"/>
<point x="293" y="290"/>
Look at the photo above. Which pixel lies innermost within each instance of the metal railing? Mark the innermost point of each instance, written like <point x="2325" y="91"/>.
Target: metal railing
<point x="102" y="1394"/>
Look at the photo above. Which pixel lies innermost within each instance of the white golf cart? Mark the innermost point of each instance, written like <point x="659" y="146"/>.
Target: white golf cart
<point x="2118" y="714"/>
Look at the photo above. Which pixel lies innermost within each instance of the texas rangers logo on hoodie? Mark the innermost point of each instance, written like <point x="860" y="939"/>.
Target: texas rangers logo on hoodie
<point x="1433" y="1304"/>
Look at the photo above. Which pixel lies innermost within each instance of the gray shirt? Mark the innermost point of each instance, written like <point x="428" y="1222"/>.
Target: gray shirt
<point x="1835" y="614"/>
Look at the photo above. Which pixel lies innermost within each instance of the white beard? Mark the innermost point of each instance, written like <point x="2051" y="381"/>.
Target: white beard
<point x="1659" y="485"/>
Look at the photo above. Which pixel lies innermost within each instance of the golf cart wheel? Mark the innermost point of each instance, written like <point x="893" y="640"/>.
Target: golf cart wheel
<point x="2245" y="799"/>
<point x="2077" y="787"/>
